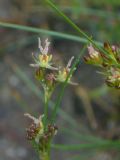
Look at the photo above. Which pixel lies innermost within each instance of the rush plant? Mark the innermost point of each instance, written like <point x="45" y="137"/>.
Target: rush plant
<point x="42" y="130"/>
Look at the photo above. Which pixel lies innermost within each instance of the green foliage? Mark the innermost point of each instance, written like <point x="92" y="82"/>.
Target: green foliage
<point x="45" y="32"/>
<point x="93" y="142"/>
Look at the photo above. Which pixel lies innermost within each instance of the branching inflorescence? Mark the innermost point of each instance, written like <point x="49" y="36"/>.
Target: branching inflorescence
<point x="109" y="61"/>
<point x="41" y="131"/>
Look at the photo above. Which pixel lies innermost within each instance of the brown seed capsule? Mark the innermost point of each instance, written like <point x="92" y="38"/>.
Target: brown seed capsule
<point x="39" y="74"/>
<point x="32" y="131"/>
<point x="50" y="79"/>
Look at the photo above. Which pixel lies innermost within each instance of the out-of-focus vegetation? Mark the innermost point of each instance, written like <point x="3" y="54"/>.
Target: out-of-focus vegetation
<point x="90" y="113"/>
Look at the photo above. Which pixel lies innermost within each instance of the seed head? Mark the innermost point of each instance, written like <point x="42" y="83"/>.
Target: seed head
<point x="36" y="129"/>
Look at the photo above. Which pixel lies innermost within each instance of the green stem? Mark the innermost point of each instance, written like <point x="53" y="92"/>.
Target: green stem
<point x="57" y="104"/>
<point x="46" y="109"/>
<point x="44" y="156"/>
<point x="49" y="148"/>
<point x="45" y="153"/>
<point x="46" y="32"/>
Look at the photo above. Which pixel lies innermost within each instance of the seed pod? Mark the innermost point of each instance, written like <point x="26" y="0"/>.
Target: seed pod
<point x="32" y="131"/>
<point x="39" y="74"/>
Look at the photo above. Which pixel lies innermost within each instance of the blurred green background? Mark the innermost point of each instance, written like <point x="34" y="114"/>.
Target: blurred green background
<point x="90" y="112"/>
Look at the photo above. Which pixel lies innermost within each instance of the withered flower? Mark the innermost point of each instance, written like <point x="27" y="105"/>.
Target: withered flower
<point x="39" y="74"/>
<point x="111" y="57"/>
<point x="111" y="49"/>
<point x="50" y="79"/>
<point x="36" y="129"/>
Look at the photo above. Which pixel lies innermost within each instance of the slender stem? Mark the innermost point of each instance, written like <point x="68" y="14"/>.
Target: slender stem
<point x="46" y="109"/>
<point x="45" y="153"/>
<point x="49" y="148"/>
<point x="46" y="32"/>
<point x="44" y="156"/>
<point x="57" y="104"/>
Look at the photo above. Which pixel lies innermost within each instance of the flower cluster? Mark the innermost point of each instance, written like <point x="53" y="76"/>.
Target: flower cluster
<point x="47" y="74"/>
<point x="40" y="131"/>
<point x="109" y="61"/>
<point x="93" y="57"/>
<point x="36" y="132"/>
<point x="36" y="129"/>
<point x="113" y="78"/>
